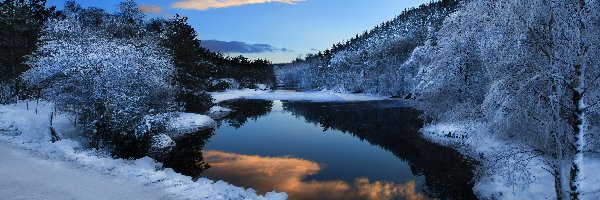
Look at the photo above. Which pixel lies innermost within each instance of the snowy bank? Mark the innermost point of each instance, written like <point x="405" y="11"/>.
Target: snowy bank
<point x="26" y="130"/>
<point x="511" y="178"/>
<point x="287" y="95"/>
<point x="495" y="180"/>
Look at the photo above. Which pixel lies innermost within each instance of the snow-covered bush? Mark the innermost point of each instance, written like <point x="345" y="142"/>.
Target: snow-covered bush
<point x="109" y="83"/>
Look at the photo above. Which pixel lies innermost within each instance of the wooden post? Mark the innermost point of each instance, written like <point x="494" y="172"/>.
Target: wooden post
<point x="53" y="133"/>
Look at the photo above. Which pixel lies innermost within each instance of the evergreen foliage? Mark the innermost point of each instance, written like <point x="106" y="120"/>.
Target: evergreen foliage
<point x="21" y="24"/>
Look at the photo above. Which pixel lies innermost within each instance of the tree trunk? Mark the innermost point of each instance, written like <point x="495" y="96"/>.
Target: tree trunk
<point x="578" y="108"/>
<point x="558" y="183"/>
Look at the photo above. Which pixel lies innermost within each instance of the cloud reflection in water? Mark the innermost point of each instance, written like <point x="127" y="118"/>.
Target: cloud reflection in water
<point x="286" y="174"/>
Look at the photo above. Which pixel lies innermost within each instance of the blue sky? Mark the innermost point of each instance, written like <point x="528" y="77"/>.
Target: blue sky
<point x="284" y="29"/>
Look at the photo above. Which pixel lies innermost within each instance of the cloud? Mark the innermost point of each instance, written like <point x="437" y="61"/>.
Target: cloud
<point x="211" y="4"/>
<point x="239" y="47"/>
<point x="148" y="8"/>
<point x="286" y="174"/>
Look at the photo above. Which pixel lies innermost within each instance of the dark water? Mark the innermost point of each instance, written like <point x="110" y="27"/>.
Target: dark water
<point x="365" y="150"/>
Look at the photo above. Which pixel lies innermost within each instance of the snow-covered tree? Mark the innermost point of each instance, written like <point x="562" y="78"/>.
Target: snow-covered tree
<point x="535" y="71"/>
<point x="109" y="83"/>
<point x="375" y="62"/>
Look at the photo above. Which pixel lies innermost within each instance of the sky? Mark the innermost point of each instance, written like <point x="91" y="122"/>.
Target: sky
<point x="277" y="30"/>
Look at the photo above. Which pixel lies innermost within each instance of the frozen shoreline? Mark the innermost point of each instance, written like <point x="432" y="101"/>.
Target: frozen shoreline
<point x="288" y="95"/>
<point x="23" y="130"/>
<point x="502" y="181"/>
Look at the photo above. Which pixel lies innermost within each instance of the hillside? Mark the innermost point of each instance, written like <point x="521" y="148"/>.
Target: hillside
<point x="373" y="62"/>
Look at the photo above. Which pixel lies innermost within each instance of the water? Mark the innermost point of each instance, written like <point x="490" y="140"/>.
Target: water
<point x="366" y="150"/>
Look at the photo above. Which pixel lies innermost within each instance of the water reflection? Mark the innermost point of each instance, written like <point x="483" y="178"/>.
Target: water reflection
<point x="366" y="150"/>
<point x="394" y="127"/>
<point x="290" y="175"/>
<point x="186" y="157"/>
<point x="245" y="110"/>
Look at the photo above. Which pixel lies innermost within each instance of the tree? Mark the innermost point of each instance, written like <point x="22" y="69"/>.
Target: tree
<point x="540" y="61"/>
<point x="192" y="70"/>
<point x="110" y="84"/>
<point x="21" y="23"/>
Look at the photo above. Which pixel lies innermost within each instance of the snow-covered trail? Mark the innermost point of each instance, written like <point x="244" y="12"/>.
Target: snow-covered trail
<point x="22" y="176"/>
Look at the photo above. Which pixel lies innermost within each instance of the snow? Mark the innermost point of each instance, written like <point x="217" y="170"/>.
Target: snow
<point x="496" y="180"/>
<point x="262" y="86"/>
<point x="234" y="94"/>
<point x="65" y="167"/>
<point x="24" y="177"/>
<point x="219" y="109"/>
<point x="288" y="95"/>
<point x="189" y="122"/>
<point x="449" y="130"/>
<point x="162" y="141"/>
<point x="590" y="178"/>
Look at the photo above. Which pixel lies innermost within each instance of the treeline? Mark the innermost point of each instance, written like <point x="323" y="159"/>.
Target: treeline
<point x="122" y="76"/>
<point x="211" y="69"/>
<point x="372" y="62"/>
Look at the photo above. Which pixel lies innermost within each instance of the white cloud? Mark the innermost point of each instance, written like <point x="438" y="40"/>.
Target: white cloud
<point x="211" y="4"/>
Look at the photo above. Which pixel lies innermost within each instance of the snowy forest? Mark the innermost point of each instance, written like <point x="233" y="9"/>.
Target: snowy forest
<point x="527" y="70"/>
<point x="512" y="86"/>
<point x="113" y="70"/>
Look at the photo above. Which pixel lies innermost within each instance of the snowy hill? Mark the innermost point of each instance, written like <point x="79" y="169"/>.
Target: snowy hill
<point x="374" y="62"/>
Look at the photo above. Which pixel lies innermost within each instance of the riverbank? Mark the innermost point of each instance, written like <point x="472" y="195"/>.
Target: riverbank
<point x="507" y="170"/>
<point x="26" y="131"/>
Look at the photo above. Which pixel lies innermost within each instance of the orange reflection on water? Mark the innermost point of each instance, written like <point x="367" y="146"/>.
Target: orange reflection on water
<point x="288" y="175"/>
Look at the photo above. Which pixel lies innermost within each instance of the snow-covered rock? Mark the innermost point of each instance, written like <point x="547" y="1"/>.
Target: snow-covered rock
<point x="184" y="123"/>
<point x="218" y="112"/>
<point x="219" y="109"/>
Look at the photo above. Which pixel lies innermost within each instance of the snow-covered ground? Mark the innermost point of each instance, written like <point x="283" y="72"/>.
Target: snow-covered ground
<point x="288" y="95"/>
<point x="23" y="176"/>
<point x="23" y="130"/>
<point x="504" y="179"/>
<point x="590" y="183"/>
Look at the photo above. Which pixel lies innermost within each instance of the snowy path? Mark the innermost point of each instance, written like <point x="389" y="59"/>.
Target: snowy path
<point x="22" y="176"/>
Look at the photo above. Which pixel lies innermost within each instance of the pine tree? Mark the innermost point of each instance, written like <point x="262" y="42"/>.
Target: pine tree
<point x="21" y="24"/>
